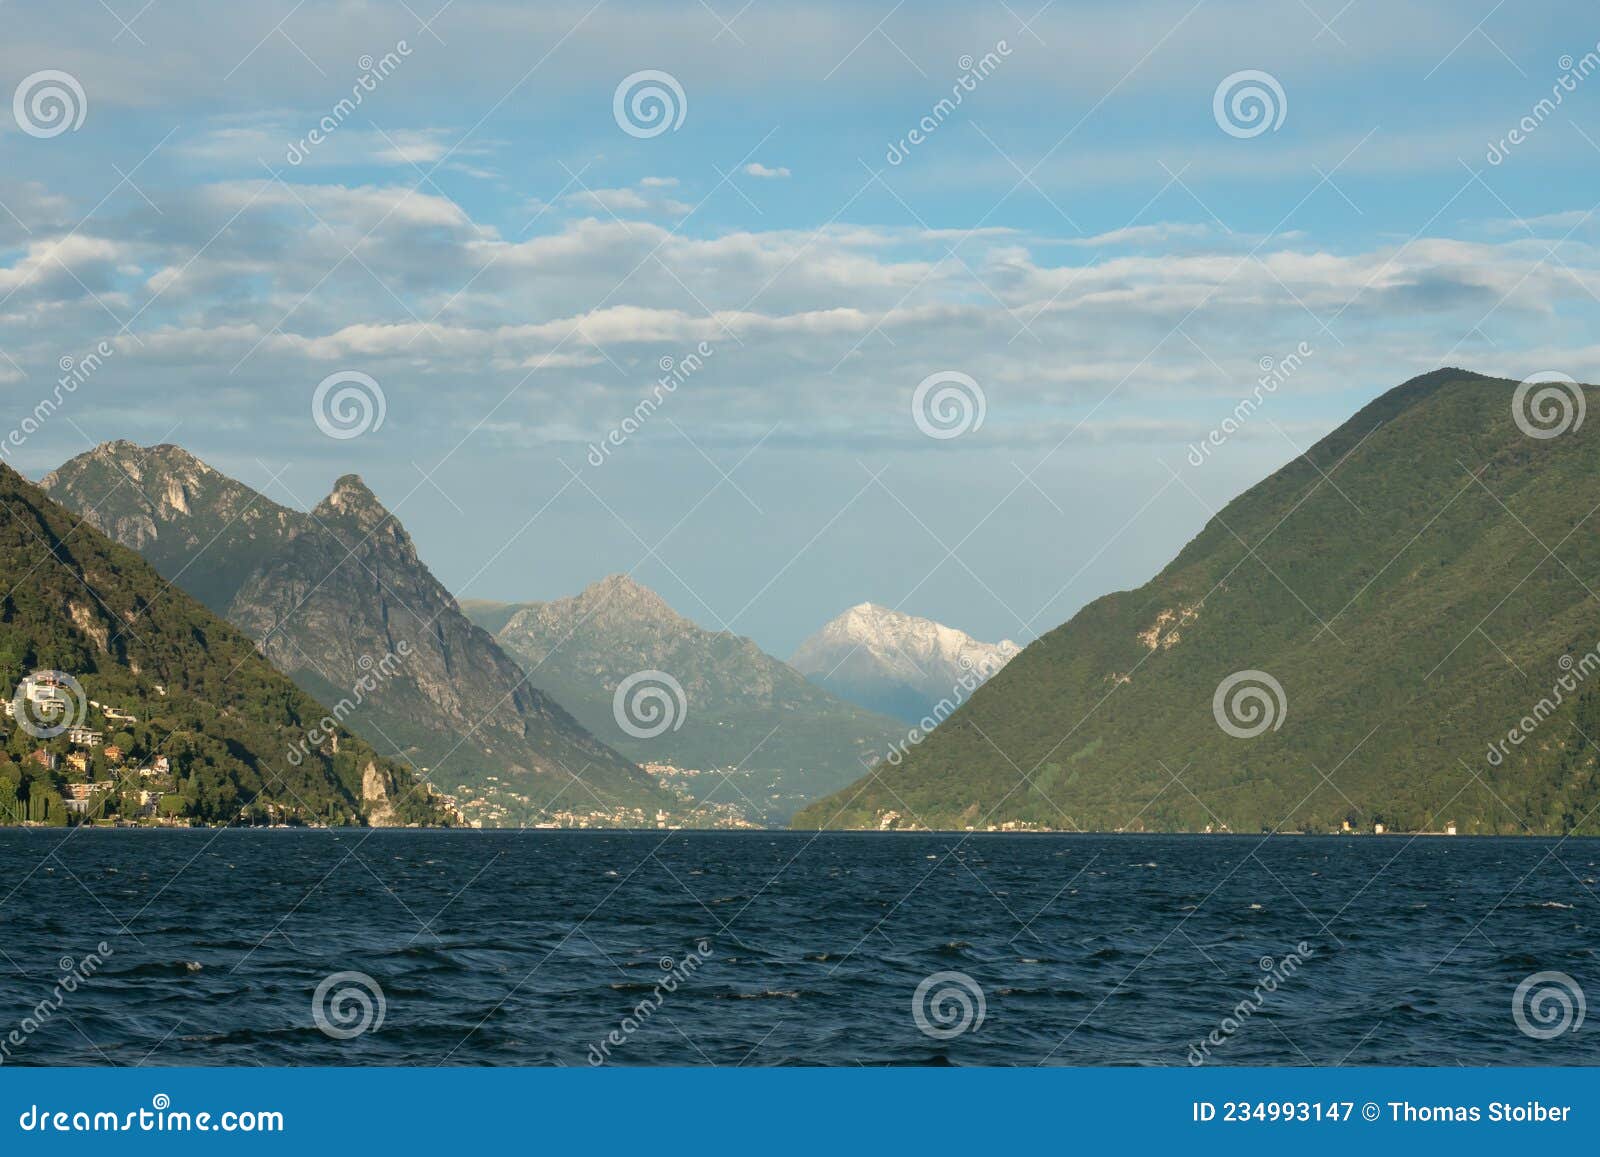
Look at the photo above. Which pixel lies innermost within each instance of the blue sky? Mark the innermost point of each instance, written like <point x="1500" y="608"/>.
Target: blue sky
<point x="1080" y="236"/>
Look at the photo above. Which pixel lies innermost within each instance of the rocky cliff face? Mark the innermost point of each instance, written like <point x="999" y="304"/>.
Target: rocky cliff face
<point x="897" y="663"/>
<point x="339" y="599"/>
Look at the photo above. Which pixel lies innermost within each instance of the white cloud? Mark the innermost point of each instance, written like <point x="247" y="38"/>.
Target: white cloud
<point x="256" y="283"/>
<point x="757" y="169"/>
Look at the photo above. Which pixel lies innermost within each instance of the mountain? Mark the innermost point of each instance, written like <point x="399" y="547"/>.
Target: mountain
<point x="1397" y="627"/>
<point x="895" y="663"/>
<point x="337" y="593"/>
<point x="730" y="705"/>
<point x="168" y="687"/>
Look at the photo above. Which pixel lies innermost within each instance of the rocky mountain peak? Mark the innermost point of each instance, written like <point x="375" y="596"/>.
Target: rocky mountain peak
<point x="351" y="502"/>
<point x="352" y="496"/>
<point x="623" y="593"/>
<point x="135" y="463"/>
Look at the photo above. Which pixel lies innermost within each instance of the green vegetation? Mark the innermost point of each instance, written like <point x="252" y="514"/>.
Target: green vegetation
<point x="1417" y="582"/>
<point x="200" y="694"/>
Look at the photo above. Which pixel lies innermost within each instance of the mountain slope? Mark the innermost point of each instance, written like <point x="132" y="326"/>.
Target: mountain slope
<point x="233" y="729"/>
<point x="895" y="663"/>
<point x="340" y="592"/>
<point x="1395" y="581"/>
<point x="740" y="706"/>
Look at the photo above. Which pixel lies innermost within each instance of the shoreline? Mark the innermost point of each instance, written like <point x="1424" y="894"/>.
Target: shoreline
<point x="758" y="832"/>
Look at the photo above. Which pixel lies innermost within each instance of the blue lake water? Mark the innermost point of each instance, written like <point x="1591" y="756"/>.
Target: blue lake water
<point x="789" y="948"/>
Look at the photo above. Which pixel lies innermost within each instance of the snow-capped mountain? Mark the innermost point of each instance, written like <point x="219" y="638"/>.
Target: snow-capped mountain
<point x="896" y="663"/>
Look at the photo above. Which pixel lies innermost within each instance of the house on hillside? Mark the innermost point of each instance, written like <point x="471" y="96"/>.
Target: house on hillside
<point x="47" y="693"/>
<point x="84" y="798"/>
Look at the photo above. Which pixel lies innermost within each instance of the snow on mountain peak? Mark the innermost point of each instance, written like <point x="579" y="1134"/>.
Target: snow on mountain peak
<point x="871" y="652"/>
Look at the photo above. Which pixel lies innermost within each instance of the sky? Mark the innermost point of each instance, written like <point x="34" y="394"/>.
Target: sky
<point x="946" y="295"/>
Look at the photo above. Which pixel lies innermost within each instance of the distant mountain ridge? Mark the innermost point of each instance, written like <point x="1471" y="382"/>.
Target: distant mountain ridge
<point x="895" y="663"/>
<point x="1395" y="628"/>
<point x="329" y="593"/>
<point x="740" y="707"/>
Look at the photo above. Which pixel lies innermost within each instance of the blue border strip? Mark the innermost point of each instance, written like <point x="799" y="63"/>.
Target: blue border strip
<point x="810" y="1111"/>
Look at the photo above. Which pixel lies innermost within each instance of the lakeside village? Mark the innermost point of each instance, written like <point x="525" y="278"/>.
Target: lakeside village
<point x="892" y="821"/>
<point x="84" y="773"/>
<point x="498" y="804"/>
<point x="75" y="760"/>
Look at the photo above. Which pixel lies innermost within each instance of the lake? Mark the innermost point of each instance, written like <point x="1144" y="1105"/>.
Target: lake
<point x="239" y="947"/>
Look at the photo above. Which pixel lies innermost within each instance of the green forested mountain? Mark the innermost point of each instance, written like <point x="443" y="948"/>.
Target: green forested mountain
<point x="1420" y="582"/>
<point x="171" y="688"/>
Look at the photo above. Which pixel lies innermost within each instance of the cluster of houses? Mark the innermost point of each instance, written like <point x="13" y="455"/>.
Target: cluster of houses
<point x="49" y="695"/>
